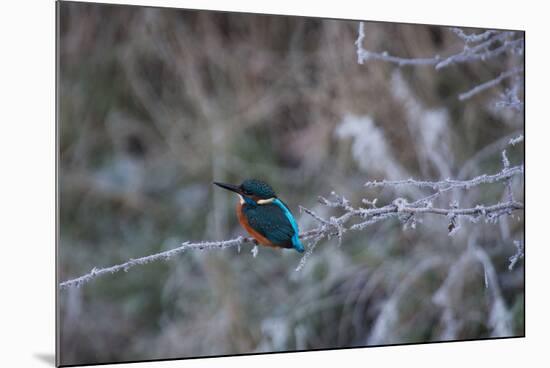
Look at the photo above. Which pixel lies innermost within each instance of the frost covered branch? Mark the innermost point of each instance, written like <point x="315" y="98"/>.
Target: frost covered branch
<point x="481" y="51"/>
<point x="516" y="140"/>
<point x="166" y="255"/>
<point x="509" y="98"/>
<point x="95" y="272"/>
<point x="448" y="184"/>
<point x="407" y="213"/>
<point x="336" y="226"/>
<point x="404" y="211"/>
<point x="517" y="256"/>
<point x="472" y="38"/>
<point x="477" y="47"/>
<point x="490" y="84"/>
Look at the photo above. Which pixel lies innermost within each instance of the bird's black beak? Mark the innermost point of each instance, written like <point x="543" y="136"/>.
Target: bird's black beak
<point x="231" y="187"/>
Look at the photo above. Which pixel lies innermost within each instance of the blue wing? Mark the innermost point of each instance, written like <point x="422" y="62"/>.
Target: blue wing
<point x="295" y="238"/>
<point x="275" y="222"/>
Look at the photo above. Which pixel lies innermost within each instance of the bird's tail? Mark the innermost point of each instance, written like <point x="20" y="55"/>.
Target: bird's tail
<point x="297" y="244"/>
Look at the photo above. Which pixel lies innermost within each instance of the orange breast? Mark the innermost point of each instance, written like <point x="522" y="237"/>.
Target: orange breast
<point x="256" y="235"/>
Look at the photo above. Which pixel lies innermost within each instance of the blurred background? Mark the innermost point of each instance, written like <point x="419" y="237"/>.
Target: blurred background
<point x="155" y="104"/>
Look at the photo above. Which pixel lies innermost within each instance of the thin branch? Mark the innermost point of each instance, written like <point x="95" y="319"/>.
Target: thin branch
<point x="473" y="38"/>
<point x="517" y="256"/>
<point x="373" y="220"/>
<point x="310" y="248"/>
<point x="509" y="189"/>
<point x="516" y="140"/>
<point x="95" y="272"/>
<point x="490" y="84"/>
<point x="478" y="210"/>
<point x="510" y="99"/>
<point x="448" y="184"/>
<point x="359" y="42"/>
<point x="477" y="47"/>
<point x="365" y="55"/>
<point x="480" y="51"/>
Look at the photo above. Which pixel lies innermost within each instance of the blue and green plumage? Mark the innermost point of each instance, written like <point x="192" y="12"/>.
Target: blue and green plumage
<point x="264" y="216"/>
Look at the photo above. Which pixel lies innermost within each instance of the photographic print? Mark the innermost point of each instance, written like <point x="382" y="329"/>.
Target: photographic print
<point x="236" y="183"/>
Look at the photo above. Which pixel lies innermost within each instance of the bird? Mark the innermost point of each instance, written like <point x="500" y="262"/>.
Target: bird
<point x="264" y="216"/>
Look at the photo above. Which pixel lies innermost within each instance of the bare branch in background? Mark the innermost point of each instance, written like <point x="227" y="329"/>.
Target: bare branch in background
<point x="517" y="256"/>
<point x="510" y="99"/>
<point x="490" y="84"/>
<point x="477" y="47"/>
<point x="516" y="140"/>
<point x="473" y="38"/>
<point x="482" y="51"/>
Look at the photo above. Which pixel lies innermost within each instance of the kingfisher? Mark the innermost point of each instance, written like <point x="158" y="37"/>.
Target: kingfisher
<point x="264" y="216"/>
